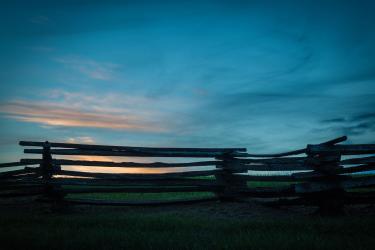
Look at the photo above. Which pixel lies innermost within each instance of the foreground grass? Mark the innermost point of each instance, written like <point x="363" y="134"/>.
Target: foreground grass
<point x="143" y="196"/>
<point x="132" y="229"/>
<point x="165" y="196"/>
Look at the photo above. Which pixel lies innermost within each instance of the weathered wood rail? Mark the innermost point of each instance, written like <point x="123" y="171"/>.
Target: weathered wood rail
<point x="316" y="175"/>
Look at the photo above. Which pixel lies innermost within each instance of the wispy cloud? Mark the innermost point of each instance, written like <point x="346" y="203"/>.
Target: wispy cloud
<point x="90" y="68"/>
<point x="81" y="139"/>
<point x="361" y="124"/>
<point x="114" y="102"/>
<point x="67" y="113"/>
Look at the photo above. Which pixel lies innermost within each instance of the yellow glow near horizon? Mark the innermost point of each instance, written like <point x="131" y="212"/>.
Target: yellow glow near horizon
<point x="119" y="169"/>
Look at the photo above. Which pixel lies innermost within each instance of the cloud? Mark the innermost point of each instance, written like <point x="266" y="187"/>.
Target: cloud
<point x="114" y="102"/>
<point x="355" y="125"/>
<point x="65" y="114"/>
<point x="365" y="117"/>
<point x="90" y="68"/>
<point x="81" y="139"/>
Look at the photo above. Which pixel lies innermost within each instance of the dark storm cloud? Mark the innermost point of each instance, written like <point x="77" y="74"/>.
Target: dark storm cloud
<point x="364" y="117"/>
<point x="360" y="124"/>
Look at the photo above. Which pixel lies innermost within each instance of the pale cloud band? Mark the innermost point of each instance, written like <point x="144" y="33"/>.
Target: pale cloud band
<point x="90" y="68"/>
<point x="62" y="114"/>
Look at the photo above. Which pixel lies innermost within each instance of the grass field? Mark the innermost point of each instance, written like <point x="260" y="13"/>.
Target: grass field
<point x="164" y="196"/>
<point x="211" y="225"/>
<point x="118" y="229"/>
<point x="143" y="196"/>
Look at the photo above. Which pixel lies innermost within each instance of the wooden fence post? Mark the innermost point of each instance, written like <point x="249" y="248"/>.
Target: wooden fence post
<point x="46" y="169"/>
<point x="226" y="178"/>
<point x="52" y="191"/>
<point x="330" y="202"/>
<point x="46" y="165"/>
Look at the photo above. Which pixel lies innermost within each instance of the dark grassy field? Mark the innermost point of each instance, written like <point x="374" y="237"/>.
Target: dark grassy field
<point x="132" y="230"/>
<point x="142" y="196"/>
<point x="211" y="225"/>
<point x="26" y="224"/>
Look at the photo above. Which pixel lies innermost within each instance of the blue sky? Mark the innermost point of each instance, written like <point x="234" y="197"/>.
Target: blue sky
<point x="266" y="75"/>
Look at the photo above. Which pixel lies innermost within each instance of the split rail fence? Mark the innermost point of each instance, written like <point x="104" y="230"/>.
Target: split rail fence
<point x="328" y="175"/>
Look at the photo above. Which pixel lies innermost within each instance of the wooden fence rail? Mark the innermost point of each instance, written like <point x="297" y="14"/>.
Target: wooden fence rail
<point x="315" y="175"/>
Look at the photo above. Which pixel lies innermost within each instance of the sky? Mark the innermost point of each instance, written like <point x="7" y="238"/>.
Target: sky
<point x="270" y="76"/>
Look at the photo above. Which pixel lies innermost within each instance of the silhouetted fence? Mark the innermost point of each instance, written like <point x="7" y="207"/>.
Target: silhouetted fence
<point x="327" y="175"/>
